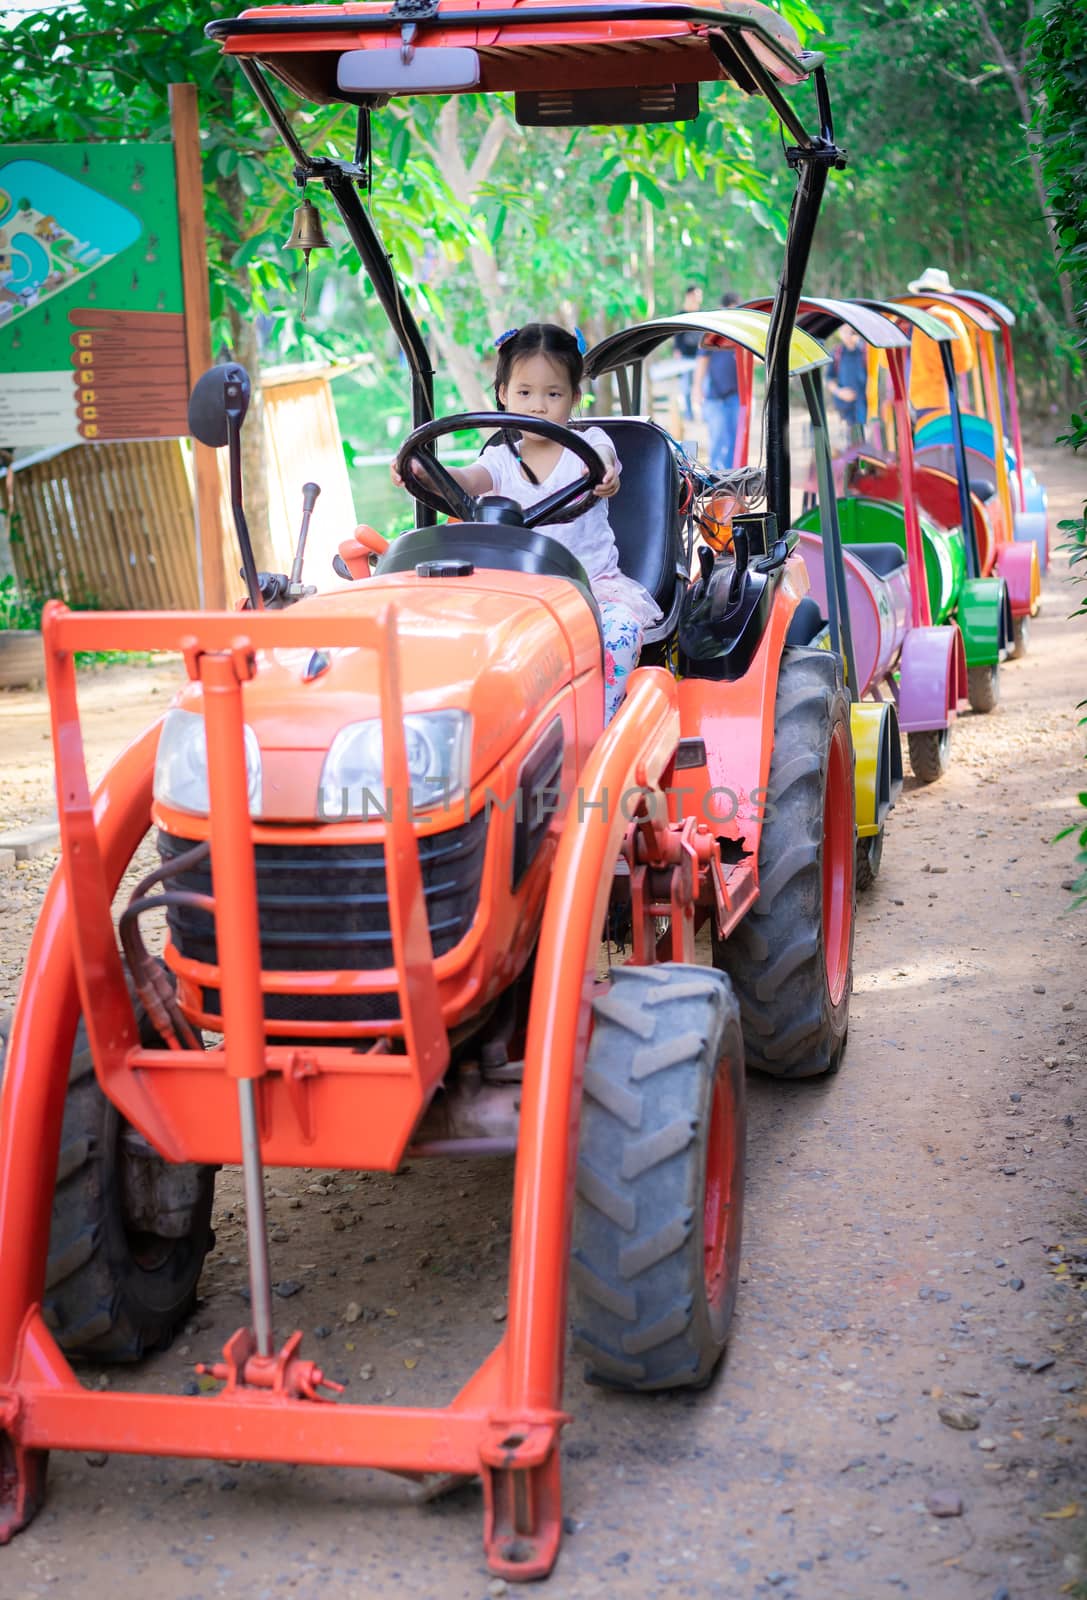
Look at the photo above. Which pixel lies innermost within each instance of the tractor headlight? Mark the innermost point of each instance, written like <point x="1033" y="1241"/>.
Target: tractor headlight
<point x="439" y="745"/>
<point x="181" y="766"/>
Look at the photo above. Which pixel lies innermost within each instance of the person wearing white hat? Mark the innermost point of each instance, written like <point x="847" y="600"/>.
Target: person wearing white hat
<point x="933" y="280"/>
<point x="928" y="385"/>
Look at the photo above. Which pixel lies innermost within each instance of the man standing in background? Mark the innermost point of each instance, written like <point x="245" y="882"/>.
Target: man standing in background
<point x="849" y="383"/>
<point x="686" y="347"/>
<point x="717" y="390"/>
<point x="928" y="384"/>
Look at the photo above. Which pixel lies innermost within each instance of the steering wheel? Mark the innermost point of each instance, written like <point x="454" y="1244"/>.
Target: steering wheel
<point x="439" y="490"/>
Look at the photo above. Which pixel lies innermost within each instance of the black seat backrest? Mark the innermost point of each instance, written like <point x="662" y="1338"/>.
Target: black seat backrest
<point x="644" y="514"/>
<point x="884" y="559"/>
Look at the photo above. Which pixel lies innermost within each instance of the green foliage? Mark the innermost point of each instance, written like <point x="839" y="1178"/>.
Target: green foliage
<point x="101" y="71"/>
<point x="22" y="612"/>
<point x="17" y="612"/>
<point x="1059" y="38"/>
<point x="931" y="102"/>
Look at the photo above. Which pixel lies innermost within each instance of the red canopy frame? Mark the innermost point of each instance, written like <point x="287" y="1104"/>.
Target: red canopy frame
<point x="603" y="44"/>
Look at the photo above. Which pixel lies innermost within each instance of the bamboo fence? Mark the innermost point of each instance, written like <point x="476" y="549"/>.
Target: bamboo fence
<point x="109" y="526"/>
<point x="112" y="525"/>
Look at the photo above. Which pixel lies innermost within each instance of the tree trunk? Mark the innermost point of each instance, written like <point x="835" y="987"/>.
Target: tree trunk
<point x="245" y="349"/>
<point x="7" y="512"/>
<point x="462" y="367"/>
<point x="465" y="181"/>
<point x="1016" y="76"/>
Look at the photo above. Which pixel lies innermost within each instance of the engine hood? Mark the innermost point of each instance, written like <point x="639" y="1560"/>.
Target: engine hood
<point x="499" y="646"/>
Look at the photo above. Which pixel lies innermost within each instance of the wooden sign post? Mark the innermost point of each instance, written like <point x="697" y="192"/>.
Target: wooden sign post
<point x="185" y="127"/>
<point x="104" y="309"/>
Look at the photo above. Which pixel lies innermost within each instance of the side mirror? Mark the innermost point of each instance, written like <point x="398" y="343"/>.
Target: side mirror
<point x="223" y="391"/>
<point x="217" y="408"/>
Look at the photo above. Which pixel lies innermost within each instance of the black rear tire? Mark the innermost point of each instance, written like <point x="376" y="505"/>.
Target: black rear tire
<point x="116" y="1286"/>
<point x="659" y="1211"/>
<point x="869" y="856"/>
<point x="930" y="753"/>
<point x="795" y="1020"/>
<point x="983" y="687"/>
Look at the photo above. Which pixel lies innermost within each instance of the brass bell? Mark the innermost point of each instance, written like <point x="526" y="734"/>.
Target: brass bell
<point x="307" y="233"/>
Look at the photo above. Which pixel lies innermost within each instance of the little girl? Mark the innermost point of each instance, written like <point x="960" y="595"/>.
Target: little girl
<point x="539" y="375"/>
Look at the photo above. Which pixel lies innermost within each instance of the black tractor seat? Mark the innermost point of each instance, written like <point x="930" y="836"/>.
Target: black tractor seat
<point x="644" y="515"/>
<point x="883" y="559"/>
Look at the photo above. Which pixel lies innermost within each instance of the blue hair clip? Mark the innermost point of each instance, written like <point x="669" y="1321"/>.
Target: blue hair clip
<point x="581" y="345"/>
<point x="504" y="338"/>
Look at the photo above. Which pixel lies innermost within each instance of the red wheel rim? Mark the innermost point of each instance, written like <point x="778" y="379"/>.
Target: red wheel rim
<point x="838" y="865"/>
<point x="718" y="1202"/>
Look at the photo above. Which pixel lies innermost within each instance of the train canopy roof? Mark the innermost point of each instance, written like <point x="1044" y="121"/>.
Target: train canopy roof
<point x="737" y="325"/>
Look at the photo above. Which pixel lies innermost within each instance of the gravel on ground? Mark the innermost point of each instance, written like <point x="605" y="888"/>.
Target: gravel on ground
<point x="902" y="1408"/>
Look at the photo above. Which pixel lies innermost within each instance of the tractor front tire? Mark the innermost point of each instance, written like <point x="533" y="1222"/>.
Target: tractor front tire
<point x="791" y="958"/>
<point x="930" y="753"/>
<point x="983" y="688"/>
<point x="869" y="856"/>
<point x="130" y="1230"/>
<point x="659" y="1212"/>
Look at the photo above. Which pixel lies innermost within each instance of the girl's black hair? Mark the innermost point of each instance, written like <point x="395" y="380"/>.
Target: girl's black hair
<point x="535" y="339"/>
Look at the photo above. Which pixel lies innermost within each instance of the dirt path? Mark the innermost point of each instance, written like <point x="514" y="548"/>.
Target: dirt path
<point x="916" y="1243"/>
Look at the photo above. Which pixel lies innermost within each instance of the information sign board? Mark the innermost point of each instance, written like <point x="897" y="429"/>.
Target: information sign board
<point x="92" y="308"/>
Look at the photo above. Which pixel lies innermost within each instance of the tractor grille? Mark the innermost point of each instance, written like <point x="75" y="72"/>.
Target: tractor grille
<point x="324" y="908"/>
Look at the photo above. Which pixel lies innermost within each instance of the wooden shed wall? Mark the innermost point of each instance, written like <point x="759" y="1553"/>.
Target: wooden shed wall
<point x="112" y="524"/>
<point x="109" y="525"/>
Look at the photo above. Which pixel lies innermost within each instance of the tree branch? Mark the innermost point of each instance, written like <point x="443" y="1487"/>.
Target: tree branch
<point x="994" y="75"/>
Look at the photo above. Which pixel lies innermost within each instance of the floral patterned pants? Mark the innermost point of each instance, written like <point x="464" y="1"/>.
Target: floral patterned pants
<point x="622" y="646"/>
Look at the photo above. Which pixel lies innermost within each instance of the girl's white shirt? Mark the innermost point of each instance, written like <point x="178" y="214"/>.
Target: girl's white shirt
<point x="589" y="537"/>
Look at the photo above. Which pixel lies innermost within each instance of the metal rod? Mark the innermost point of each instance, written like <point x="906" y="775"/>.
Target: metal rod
<point x="734" y="52"/>
<point x="637" y="374"/>
<point x="1013" y="408"/>
<point x="803" y="215"/>
<point x="802" y="219"/>
<point x="367" y="241"/>
<point x="256" y="1223"/>
<point x="276" y="115"/>
<point x="962" y="470"/>
<point x="310" y="491"/>
<point x="241" y="524"/>
<point x="841" y="631"/>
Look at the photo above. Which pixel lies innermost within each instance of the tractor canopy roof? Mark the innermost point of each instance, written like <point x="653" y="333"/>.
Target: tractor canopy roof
<point x="739" y="326"/>
<point x="821" y="317"/>
<point x="365" y="52"/>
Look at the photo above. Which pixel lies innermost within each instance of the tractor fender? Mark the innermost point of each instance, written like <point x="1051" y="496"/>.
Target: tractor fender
<point x="1033" y="527"/>
<point x="932" y="678"/>
<point x="877" y="753"/>
<point x="879" y="608"/>
<point x="40" y="1044"/>
<point x="1018" y="565"/>
<point x="985" y="617"/>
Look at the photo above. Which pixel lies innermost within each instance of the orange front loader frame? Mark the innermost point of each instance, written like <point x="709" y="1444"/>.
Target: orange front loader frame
<point x="504" y="1424"/>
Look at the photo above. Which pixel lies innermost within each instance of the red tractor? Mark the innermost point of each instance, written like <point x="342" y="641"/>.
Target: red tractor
<point x="392" y="829"/>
